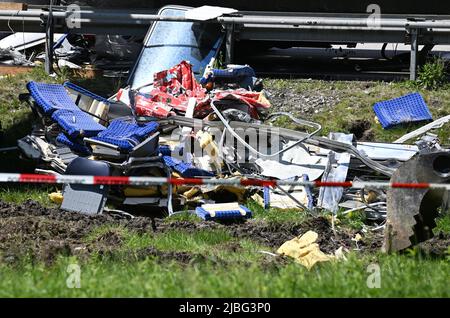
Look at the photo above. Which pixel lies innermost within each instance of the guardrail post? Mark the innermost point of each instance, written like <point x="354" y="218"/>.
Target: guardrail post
<point x="414" y="33"/>
<point x="49" y="34"/>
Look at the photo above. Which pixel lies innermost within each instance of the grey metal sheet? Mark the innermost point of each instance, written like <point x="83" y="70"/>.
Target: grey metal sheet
<point x="384" y="151"/>
<point x="85" y="199"/>
<point x="338" y="165"/>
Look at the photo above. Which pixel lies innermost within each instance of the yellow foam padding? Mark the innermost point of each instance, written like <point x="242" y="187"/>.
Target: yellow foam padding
<point x="305" y="250"/>
<point x="56" y="197"/>
<point x="205" y="140"/>
<point x="207" y="143"/>
<point x="239" y="192"/>
<point x="191" y="193"/>
<point x="233" y="206"/>
<point x="164" y="188"/>
<point x="175" y="189"/>
<point x="146" y="191"/>
<point x="258" y="199"/>
<point x="142" y="192"/>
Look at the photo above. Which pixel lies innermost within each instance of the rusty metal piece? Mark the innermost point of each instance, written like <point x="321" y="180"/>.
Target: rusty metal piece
<point x="411" y="214"/>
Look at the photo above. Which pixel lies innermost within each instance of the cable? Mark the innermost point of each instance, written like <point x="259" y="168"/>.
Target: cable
<point x="242" y="141"/>
<point x="371" y="205"/>
<point x="383" y="52"/>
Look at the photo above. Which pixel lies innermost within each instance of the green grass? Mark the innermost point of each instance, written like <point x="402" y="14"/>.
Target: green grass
<point x="401" y="276"/>
<point x="20" y="194"/>
<point x="354" y="220"/>
<point x="274" y="215"/>
<point x="184" y="216"/>
<point x="172" y="240"/>
<point x="15" y="119"/>
<point x="443" y="224"/>
<point x="217" y="243"/>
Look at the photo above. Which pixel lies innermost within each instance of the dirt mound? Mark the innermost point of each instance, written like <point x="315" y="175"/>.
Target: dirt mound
<point x="43" y="233"/>
<point x="362" y="129"/>
<point x="275" y="234"/>
<point x="438" y="246"/>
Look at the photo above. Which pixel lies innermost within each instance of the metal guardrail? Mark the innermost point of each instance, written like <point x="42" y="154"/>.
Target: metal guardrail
<point x="121" y="19"/>
<point x="254" y="26"/>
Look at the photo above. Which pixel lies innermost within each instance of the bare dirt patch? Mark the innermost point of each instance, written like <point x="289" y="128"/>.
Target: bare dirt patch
<point x="275" y="234"/>
<point x="362" y="129"/>
<point x="31" y="230"/>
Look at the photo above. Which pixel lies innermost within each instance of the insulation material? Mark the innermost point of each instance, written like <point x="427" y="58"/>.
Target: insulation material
<point x="305" y="250"/>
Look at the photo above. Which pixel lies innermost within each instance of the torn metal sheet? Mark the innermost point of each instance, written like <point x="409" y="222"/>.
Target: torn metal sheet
<point x="416" y="133"/>
<point x="36" y="148"/>
<point x="377" y="150"/>
<point x="294" y="162"/>
<point x="22" y="41"/>
<point x="146" y="200"/>
<point x="337" y="169"/>
<point x="13" y="57"/>
<point x="280" y="170"/>
<point x="386" y="151"/>
<point x="351" y="204"/>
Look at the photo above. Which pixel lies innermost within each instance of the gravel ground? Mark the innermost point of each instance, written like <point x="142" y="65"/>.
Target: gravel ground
<point x="307" y="103"/>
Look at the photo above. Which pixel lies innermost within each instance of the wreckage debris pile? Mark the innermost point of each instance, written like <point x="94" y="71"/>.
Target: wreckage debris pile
<point x="175" y="88"/>
<point x="178" y="127"/>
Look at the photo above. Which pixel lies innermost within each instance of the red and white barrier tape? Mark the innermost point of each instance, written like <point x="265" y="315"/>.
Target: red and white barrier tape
<point x="148" y="181"/>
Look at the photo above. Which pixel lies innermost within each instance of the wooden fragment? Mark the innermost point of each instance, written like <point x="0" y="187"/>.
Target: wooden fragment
<point x="13" y="6"/>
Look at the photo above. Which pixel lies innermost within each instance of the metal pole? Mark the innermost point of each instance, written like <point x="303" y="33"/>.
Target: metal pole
<point x="49" y="41"/>
<point x="229" y="44"/>
<point x="414" y="47"/>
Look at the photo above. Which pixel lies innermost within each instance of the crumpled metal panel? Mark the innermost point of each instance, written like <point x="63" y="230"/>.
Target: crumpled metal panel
<point x="338" y="165"/>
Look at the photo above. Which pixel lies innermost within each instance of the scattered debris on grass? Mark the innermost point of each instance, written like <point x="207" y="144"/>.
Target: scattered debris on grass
<point x="186" y="128"/>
